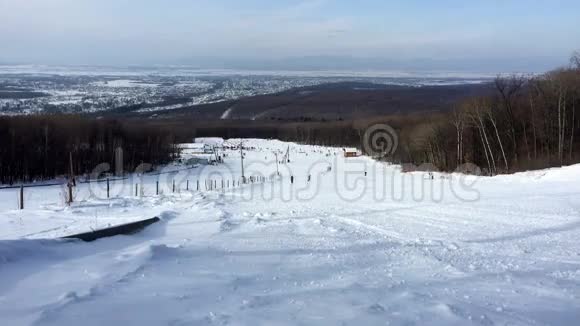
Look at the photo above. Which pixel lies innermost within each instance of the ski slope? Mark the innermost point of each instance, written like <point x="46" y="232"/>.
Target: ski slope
<point x="343" y="249"/>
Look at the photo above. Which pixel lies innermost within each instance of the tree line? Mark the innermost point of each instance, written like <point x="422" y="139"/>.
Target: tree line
<point x="34" y="148"/>
<point x="528" y="123"/>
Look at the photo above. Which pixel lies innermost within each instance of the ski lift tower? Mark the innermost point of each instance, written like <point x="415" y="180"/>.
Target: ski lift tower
<point x="242" y="160"/>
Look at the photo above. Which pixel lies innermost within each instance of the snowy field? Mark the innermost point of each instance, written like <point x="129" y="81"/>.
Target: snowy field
<point x="344" y="248"/>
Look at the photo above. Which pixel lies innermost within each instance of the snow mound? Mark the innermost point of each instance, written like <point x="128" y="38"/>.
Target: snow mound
<point x="558" y="174"/>
<point x="17" y="250"/>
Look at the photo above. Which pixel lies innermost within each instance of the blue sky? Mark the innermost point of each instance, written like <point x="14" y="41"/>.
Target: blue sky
<point x="542" y="33"/>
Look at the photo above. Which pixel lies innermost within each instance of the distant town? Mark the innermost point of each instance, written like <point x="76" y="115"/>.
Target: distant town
<point x="90" y="90"/>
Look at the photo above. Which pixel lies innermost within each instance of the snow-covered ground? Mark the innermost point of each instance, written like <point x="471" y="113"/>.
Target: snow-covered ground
<point x="343" y="249"/>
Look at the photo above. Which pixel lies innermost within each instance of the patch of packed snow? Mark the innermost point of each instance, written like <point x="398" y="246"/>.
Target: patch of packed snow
<point x="227" y="113"/>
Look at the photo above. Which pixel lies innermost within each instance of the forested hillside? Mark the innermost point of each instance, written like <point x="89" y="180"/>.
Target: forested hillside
<point x="527" y="123"/>
<point x="42" y="147"/>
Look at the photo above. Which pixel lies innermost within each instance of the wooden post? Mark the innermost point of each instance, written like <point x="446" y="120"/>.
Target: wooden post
<point x="197" y="185"/>
<point x="136" y="190"/>
<point x="173" y="185"/>
<point x="72" y="175"/>
<point x="70" y="192"/>
<point x="157" y="188"/>
<point x="187" y="185"/>
<point x="22" y="197"/>
<point x="108" y="188"/>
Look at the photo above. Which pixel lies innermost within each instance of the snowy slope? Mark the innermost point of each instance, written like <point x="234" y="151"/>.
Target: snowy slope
<point x="342" y="249"/>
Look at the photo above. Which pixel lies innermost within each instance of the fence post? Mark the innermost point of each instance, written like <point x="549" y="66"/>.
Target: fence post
<point x="187" y="185"/>
<point x="70" y="193"/>
<point x="136" y="190"/>
<point x="157" y="188"/>
<point x="198" y="185"/>
<point x="108" y="188"/>
<point x="173" y="185"/>
<point x="21" y="197"/>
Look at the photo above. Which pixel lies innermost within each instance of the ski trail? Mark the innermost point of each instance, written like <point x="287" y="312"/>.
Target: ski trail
<point x="227" y="113"/>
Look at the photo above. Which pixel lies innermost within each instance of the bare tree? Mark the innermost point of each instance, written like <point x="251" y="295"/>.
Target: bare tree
<point x="508" y="89"/>
<point x="458" y="121"/>
<point x="490" y="115"/>
<point x="534" y="89"/>
<point x="478" y="119"/>
<point x="575" y="60"/>
<point x="574" y="99"/>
